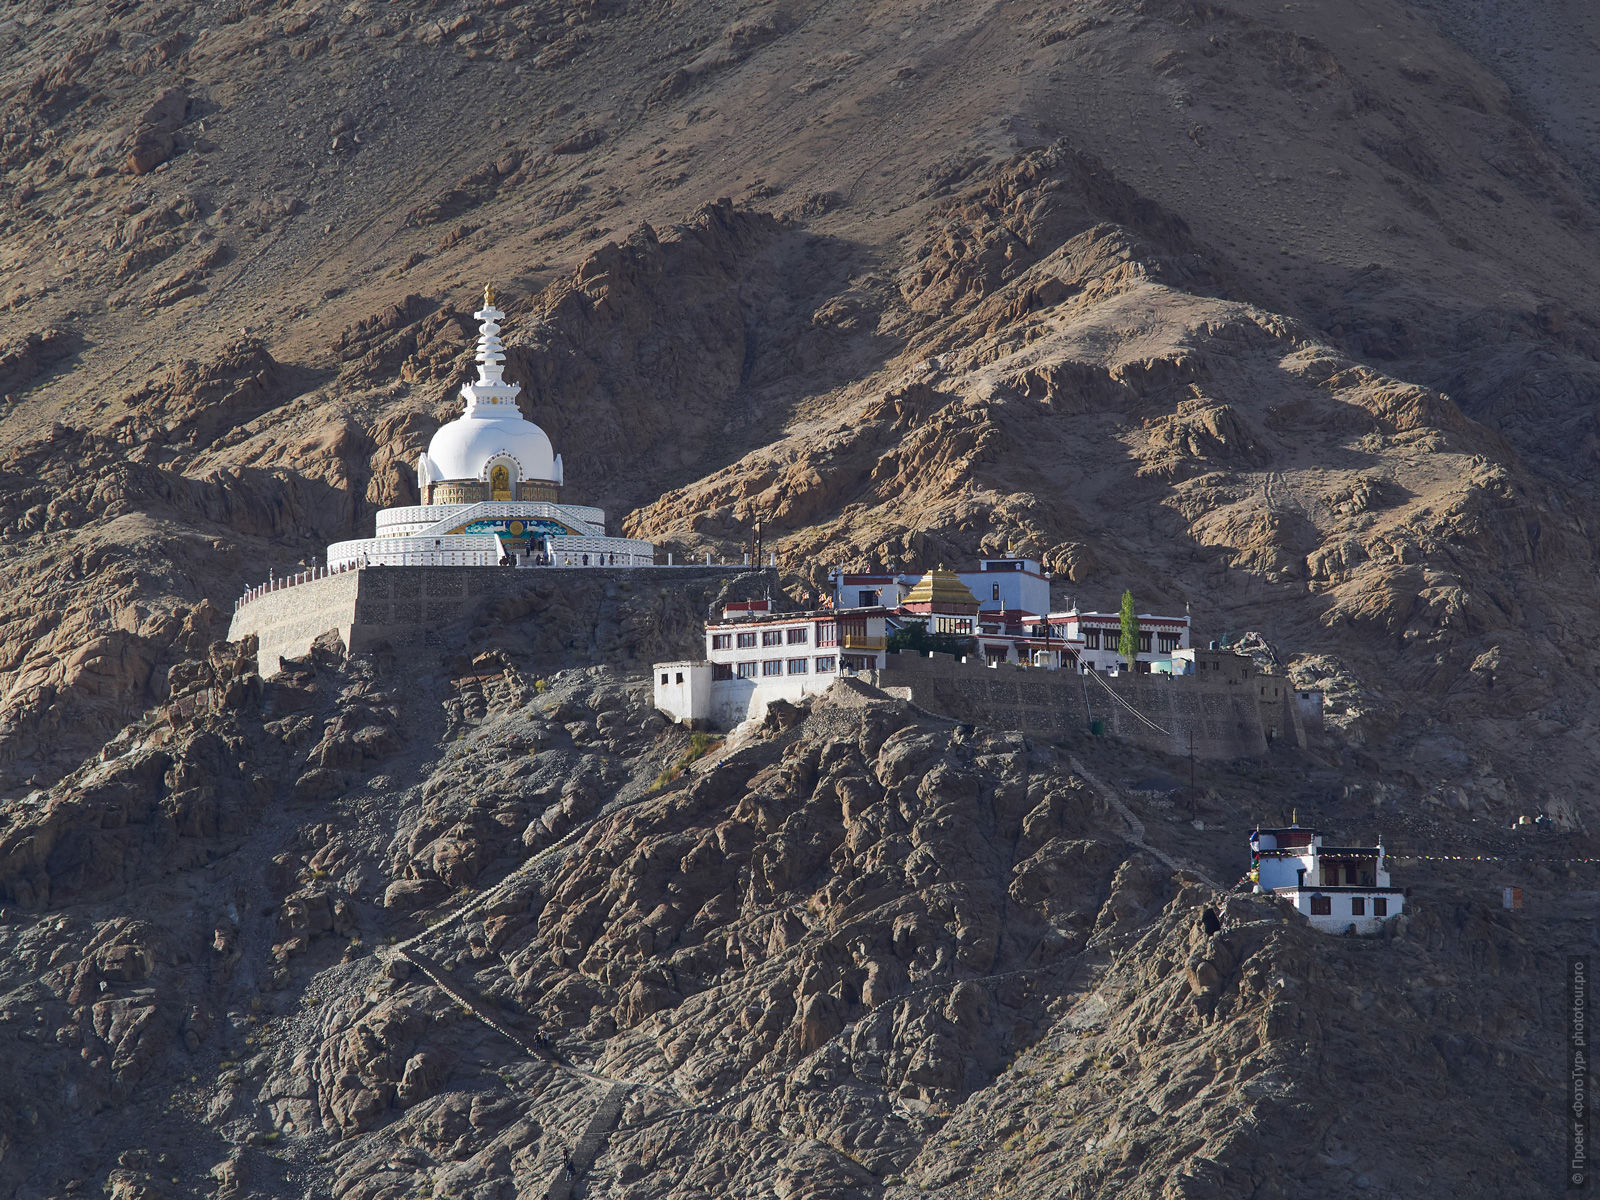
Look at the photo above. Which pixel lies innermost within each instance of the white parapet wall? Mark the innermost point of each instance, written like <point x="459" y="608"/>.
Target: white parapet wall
<point x="288" y="617"/>
<point x="451" y="550"/>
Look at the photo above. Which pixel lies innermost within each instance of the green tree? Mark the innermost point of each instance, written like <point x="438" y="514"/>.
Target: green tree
<point x="1130" y="631"/>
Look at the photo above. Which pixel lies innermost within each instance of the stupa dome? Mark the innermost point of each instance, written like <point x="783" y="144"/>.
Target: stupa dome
<point x="465" y="447"/>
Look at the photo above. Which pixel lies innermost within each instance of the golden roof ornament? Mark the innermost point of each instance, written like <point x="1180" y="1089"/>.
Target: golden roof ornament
<point x="488" y="295"/>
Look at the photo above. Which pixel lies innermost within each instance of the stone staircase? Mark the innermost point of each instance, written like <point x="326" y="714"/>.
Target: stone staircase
<point x="1135" y="834"/>
<point x="589" y="1144"/>
<point x="441" y="979"/>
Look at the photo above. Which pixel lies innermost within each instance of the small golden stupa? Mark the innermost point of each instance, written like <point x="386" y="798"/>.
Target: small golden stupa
<point x="941" y="590"/>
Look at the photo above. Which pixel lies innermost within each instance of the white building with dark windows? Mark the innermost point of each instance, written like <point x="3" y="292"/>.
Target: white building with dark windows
<point x="755" y="656"/>
<point x="999" y="585"/>
<point x="1161" y="638"/>
<point x="1338" y="889"/>
<point x="1009" y="601"/>
<point x="492" y="490"/>
<point x="996" y="615"/>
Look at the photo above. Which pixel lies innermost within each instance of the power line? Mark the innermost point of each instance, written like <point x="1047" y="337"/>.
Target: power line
<point x="1505" y="858"/>
<point x="1129" y="707"/>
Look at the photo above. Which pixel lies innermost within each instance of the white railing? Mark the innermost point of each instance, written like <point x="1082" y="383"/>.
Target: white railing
<point x="449" y="550"/>
<point x="596" y="552"/>
<point x="283" y="583"/>
<point x="432" y="519"/>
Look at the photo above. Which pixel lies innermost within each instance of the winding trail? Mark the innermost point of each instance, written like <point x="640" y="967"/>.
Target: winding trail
<point x="1135" y="834"/>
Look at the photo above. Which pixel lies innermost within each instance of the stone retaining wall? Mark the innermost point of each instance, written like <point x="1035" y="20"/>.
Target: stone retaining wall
<point x="611" y="614"/>
<point x="1228" y="718"/>
<point x="286" y="622"/>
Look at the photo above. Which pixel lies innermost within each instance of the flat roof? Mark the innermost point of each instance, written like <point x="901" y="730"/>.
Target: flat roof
<point x="1100" y="617"/>
<point x="809" y="614"/>
<point x="1009" y="566"/>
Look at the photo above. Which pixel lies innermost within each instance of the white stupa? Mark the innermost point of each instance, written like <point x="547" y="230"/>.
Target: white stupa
<point x="491" y="487"/>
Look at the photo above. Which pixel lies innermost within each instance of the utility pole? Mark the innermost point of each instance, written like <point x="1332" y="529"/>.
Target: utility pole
<point x="1194" y="801"/>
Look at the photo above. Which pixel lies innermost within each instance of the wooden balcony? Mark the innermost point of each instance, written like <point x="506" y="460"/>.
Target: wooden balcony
<point x="861" y="641"/>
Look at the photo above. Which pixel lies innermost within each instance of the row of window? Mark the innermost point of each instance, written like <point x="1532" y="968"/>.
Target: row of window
<point x="1111" y="639"/>
<point x="1322" y="906"/>
<point x="827" y="635"/>
<point x="823" y="664"/>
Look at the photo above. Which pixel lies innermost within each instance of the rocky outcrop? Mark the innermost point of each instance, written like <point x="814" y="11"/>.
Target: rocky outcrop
<point x="198" y="403"/>
<point x="25" y="358"/>
<point x="155" y="131"/>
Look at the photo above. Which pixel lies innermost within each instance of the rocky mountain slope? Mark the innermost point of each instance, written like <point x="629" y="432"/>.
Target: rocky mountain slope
<point x="1313" y="277"/>
<point x="1284" y="312"/>
<point x="334" y="937"/>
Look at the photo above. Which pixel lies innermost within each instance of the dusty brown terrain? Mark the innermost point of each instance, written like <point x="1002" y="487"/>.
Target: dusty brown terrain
<point x="1287" y="312"/>
<point x="341" y="938"/>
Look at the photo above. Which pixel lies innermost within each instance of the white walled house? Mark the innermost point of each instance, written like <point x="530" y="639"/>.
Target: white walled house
<point x="998" y="585"/>
<point x="1001" y="605"/>
<point x="683" y="690"/>
<point x="1160" y="639"/>
<point x="1336" y="888"/>
<point x="1013" y="618"/>
<point x="755" y="656"/>
<point x="1009" y="585"/>
<point x="866" y="589"/>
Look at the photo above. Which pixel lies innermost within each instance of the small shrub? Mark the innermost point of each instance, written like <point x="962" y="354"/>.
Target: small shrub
<point x="700" y="745"/>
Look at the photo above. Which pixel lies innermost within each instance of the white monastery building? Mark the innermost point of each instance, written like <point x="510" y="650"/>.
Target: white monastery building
<point x="491" y="487"/>
<point x="755" y="656"/>
<point x="1001" y="610"/>
<point x="1336" y="888"/>
<point x="1008" y="601"/>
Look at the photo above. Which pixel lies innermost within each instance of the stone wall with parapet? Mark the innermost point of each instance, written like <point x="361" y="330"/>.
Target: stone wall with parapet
<point x="1228" y="718"/>
<point x="286" y="622"/>
<point x="624" y="616"/>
